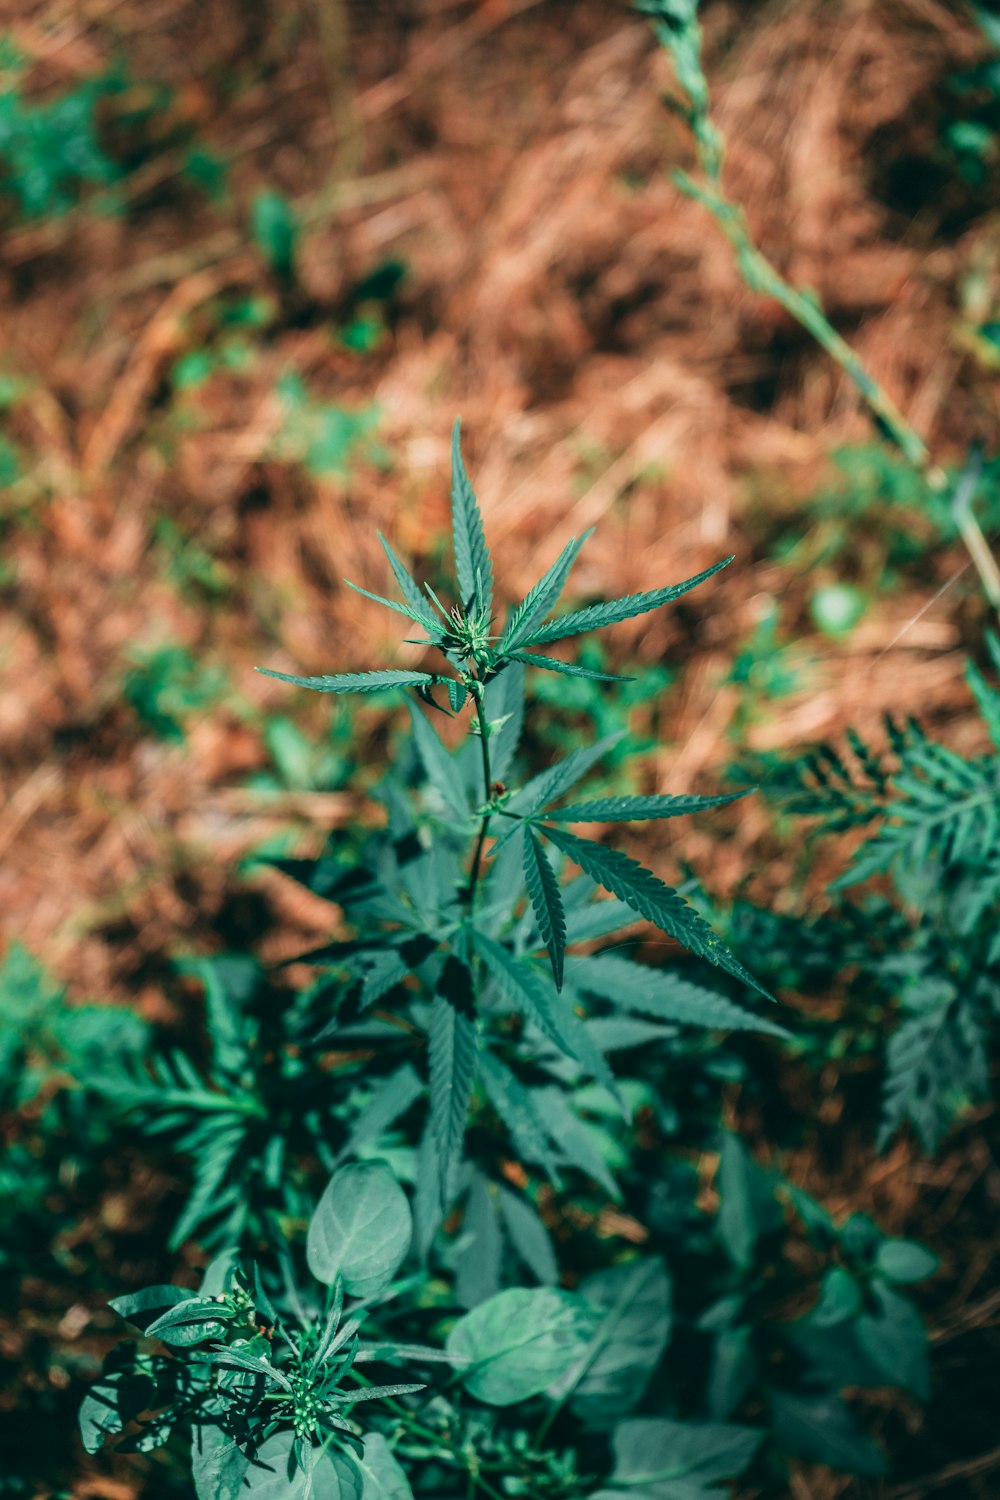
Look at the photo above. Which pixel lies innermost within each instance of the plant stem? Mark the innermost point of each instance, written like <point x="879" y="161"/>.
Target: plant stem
<point x="760" y="275"/>
<point x="484" y="827"/>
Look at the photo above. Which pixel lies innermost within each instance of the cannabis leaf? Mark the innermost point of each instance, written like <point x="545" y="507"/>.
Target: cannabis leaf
<point x="612" y="610"/>
<point x="454" y="1044"/>
<point x="546" y="902"/>
<point x="358" y="682"/>
<point x="541" y="597"/>
<point x="634" y="809"/>
<point x="646" y="894"/>
<point x="472" y="558"/>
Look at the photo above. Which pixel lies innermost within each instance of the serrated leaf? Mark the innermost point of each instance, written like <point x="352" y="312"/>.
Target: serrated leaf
<point x="546" y="902"/>
<point x="663" y="994"/>
<point x="356" y="682"/>
<point x="573" y="1137"/>
<point x="472" y="558"/>
<point x="516" y="1108"/>
<point x="523" y="985"/>
<point x="566" y="668"/>
<point x="540" y="597"/>
<point x="410" y="590"/>
<point x="611" y="611"/>
<point x="454" y="1045"/>
<point x="440" y="767"/>
<point x="393" y="604"/>
<point x="549" y="785"/>
<point x="646" y="894"/>
<point x="636" y="809"/>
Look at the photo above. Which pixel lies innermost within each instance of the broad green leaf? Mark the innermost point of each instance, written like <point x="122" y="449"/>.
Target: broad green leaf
<point x="439" y="765"/>
<point x="361" y="1229"/>
<point x="189" y="1322"/>
<point x="546" y="902"/>
<point x="480" y="1250"/>
<point x="520" y="1342"/>
<point x="904" y="1261"/>
<point x="634" y="809"/>
<point x="663" y="994"/>
<point x="275" y="1475"/>
<point x="646" y="894"/>
<point x="410" y="590"/>
<point x="634" y="1305"/>
<point x="143" y="1308"/>
<point x="564" y="668"/>
<point x="116" y="1399"/>
<point x="839" y="1299"/>
<point x="651" y="1451"/>
<point x="613" y="610"/>
<point x="748" y="1208"/>
<point x="383" y="1477"/>
<point x="218" y="1465"/>
<point x="821" y="1429"/>
<point x="540" y="599"/>
<point x="454" y="1046"/>
<point x="893" y="1336"/>
<point x="472" y="559"/>
<point x="356" y="682"/>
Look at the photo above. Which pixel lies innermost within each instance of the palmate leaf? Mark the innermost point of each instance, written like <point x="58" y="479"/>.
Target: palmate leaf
<point x="399" y="609"/>
<point x="548" y="1009"/>
<point x="546" y="902"/>
<point x="612" y="610"/>
<point x="646" y="894"/>
<point x="541" y="597"/>
<point x="472" y="558"/>
<point x="636" y="809"/>
<point x="567" y="668"/>
<point x="410" y="590"/>
<point x="549" y="785"/>
<point x="454" y="1044"/>
<point x="358" y="682"/>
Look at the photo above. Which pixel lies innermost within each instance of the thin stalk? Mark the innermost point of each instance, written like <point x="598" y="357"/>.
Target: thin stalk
<point x="484" y="827"/>
<point x="684" y="44"/>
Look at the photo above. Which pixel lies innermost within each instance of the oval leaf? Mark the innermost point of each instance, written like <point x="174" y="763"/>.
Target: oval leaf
<point x="361" y="1229"/>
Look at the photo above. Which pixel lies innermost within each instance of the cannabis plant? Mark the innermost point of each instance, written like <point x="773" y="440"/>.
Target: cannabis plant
<point x="458" y="1042"/>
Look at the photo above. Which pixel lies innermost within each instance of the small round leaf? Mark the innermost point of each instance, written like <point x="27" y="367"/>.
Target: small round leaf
<point x="361" y="1229"/>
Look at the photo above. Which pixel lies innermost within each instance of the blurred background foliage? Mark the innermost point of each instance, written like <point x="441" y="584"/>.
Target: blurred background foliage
<point x="248" y="279"/>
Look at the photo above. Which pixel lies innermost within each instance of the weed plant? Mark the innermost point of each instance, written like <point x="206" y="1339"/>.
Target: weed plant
<point x="463" y="1243"/>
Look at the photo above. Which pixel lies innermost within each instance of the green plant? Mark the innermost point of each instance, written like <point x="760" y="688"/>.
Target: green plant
<point x="678" y="30"/>
<point x="457" y="1042"/>
<point x="929" y="956"/>
<point x="168" y="687"/>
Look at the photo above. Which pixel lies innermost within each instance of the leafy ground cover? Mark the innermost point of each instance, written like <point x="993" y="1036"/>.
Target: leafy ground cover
<point x="250" y="275"/>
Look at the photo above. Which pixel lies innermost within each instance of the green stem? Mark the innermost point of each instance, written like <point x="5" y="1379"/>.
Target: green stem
<point x="684" y="45"/>
<point x="484" y="827"/>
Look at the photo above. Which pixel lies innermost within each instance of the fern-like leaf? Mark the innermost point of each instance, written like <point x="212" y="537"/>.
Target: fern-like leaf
<point x="635" y="809"/>
<point x="540" y="599"/>
<point x="646" y="894"/>
<point x="611" y="611"/>
<point x="453" y="1042"/>
<point x="565" y="668"/>
<point x="472" y="558"/>
<point x="410" y="590"/>
<point x="517" y="1109"/>
<point x="658" y="992"/>
<point x="358" y="682"/>
<point x="546" y="902"/>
